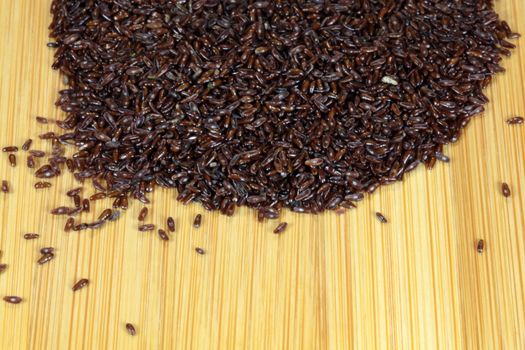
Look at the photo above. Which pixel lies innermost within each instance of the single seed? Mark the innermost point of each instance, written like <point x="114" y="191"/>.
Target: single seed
<point x="97" y="196"/>
<point x="3" y="267"/>
<point x="171" y="224"/>
<point x="85" y="205"/>
<point x="80" y="227"/>
<point x="5" y="186"/>
<point x="481" y="246"/>
<point x="29" y="236"/>
<point x="505" y="189"/>
<point x="130" y="329"/>
<point x="200" y="251"/>
<point x="441" y="157"/>
<point x="52" y="45"/>
<point x="45" y="258"/>
<point x="280" y="228"/>
<point x="381" y="218"/>
<point x="197" y="221"/>
<point x="10" y="149"/>
<point x="143" y="213"/>
<point x="42" y="184"/>
<point x="30" y="162"/>
<point x="42" y="120"/>
<point x="47" y="250"/>
<point x="37" y="154"/>
<point x="77" y="201"/>
<point x="105" y="215"/>
<point x="12" y="160"/>
<point x="146" y="227"/>
<point x="27" y="145"/>
<point x="84" y="282"/>
<point x="515" y="121"/>
<point x="12" y="299"/>
<point x="48" y="136"/>
<point x="74" y="192"/>
<point x="70" y="222"/>
<point x="60" y="211"/>
<point x="163" y="235"/>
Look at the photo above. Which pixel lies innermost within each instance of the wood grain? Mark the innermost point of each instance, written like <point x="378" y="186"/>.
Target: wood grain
<point x="329" y="281"/>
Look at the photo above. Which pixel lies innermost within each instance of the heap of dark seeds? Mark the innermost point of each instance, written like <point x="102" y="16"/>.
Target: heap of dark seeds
<point x="268" y="104"/>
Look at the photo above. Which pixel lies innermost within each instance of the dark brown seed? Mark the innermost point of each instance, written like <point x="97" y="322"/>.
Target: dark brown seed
<point x="47" y="136"/>
<point x="80" y="227"/>
<point x="280" y="228"/>
<point x="77" y="201"/>
<point x="46" y="171"/>
<point x="143" y="213"/>
<point x="131" y="329"/>
<point x="171" y="224"/>
<point x="84" y="282"/>
<point x="85" y="205"/>
<point x="74" y="192"/>
<point x="27" y="145"/>
<point x="42" y="120"/>
<point x="61" y="211"/>
<point x="31" y="236"/>
<point x="481" y="246"/>
<point x="52" y="45"/>
<point x="515" y="121"/>
<point x="163" y="235"/>
<point x="440" y="156"/>
<point x="5" y="186"/>
<point x="37" y="154"/>
<point x="105" y="215"/>
<point x="45" y="258"/>
<point x="47" y="250"/>
<point x="70" y="222"/>
<point x="197" y="221"/>
<point x="146" y="227"/>
<point x="10" y="149"/>
<point x="381" y="218"/>
<point x="3" y="267"/>
<point x="30" y="162"/>
<point x="11" y="299"/>
<point x="12" y="160"/>
<point x="97" y="196"/>
<point x="200" y="251"/>
<point x="505" y="189"/>
<point x="42" y="184"/>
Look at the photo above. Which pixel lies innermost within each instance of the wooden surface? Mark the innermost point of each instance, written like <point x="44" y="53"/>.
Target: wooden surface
<point x="329" y="281"/>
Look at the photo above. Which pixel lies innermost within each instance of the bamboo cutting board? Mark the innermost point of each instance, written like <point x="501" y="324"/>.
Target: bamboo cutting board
<point x="329" y="281"/>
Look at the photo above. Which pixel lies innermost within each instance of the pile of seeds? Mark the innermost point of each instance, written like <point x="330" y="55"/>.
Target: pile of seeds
<point x="269" y="104"/>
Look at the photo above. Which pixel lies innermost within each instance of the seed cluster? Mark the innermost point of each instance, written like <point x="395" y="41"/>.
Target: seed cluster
<point x="268" y="104"/>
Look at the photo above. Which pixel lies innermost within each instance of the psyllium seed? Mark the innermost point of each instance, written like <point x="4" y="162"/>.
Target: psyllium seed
<point x="171" y="224"/>
<point x="85" y="205"/>
<point x="29" y="236"/>
<point x="61" y="211"/>
<point x="505" y="189"/>
<point x="5" y="186"/>
<point x="30" y="162"/>
<point x="3" y="267"/>
<point x="69" y="224"/>
<point x="42" y="184"/>
<point x="11" y="299"/>
<point x="200" y="251"/>
<point x="143" y="213"/>
<point x="10" y="149"/>
<point x="381" y="218"/>
<point x="47" y="250"/>
<point x="280" y="228"/>
<point x="515" y="121"/>
<point x="12" y="160"/>
<point x="197" y="221"/>
<point x="74" y="192"/>
<point x="45" y="258"/>
<point x="105" y="215"/>
<point x="146" y="227"/>
<point x="131" y="329"/>
<point x="42" y="120"/>
<point x="481" y="246"/>
<point x="84" y="282"/>
<point x="163" y="235"/>
<point x="27" y="145"/>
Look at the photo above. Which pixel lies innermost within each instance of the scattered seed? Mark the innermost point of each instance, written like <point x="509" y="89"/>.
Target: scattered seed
<point x="146" y="227"/>
<point x="280" y="228"/>
<point x="441" y="157"/>
<point x="42" y="120"/>
<point x="27" y="145"/>
<point x="30" y="162"/>
<point x="85" y="205"/>
<point x="105" y="215"/>
<point x="29" y="236"/>
<point x="200" y="251"/>
<point x="70" y="222"/>
<point x="515" y="121"/>
<point x="12" y="160"/>
<point x="505" y="189"/>
<point x="130" y="329"/>
<point x="10" y="149"/>
<point x="143" y="213"/>
<point x="197" y="221"/>
<point x="84" y="282"/>
<point x="11" y="299"/>
<point x="163" y="235"/>
<point x="61" y="211"/>
<point x="5" y="186"/>
<point x="381" y="218"/>
<point x="37" y="154"/>
<point x="45" y="258"/>
<point x="97" y="196"/>
<point x="481" y="246"/>
<point x="42" y="184"/>
<point x="171" y="224"/>
<point x="74" y="192"/>
<point x="47" y="250"/>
